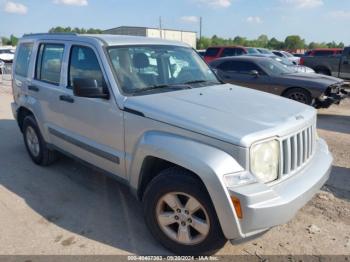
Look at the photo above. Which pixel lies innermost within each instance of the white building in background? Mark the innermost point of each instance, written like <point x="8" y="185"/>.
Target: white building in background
<point x="187" y="37"/>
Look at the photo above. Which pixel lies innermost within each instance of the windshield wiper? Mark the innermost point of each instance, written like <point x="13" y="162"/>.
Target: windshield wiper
<point x="155" y="87"/>
<point x="201" y="81"/>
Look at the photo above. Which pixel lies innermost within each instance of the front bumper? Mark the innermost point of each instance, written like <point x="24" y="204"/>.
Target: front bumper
<point x="333" y="95"/>
<point x="267" y="206"/>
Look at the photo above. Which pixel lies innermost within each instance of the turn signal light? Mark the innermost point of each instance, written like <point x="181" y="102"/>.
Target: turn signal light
<point x="237" y="204"/>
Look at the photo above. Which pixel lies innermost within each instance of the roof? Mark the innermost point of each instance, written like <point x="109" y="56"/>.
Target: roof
<point x="105" y="39"/>
<point x="242" y="58"/>
<point x="227" y="46"/>
<point x="327" y="49"/>
<point x="145" y="27"/>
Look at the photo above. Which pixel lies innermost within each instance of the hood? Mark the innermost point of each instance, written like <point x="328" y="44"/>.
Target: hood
<point x="7" y="57"/>
<point x="229" y="113"/>
<point x="313" y="78"/>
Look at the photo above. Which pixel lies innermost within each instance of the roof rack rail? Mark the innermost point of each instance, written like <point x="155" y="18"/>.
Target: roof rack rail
<point x="41" y="34"/>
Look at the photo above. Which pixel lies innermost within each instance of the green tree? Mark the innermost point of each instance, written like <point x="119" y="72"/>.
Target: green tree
<point x="293" y="42"/>
<point x="262" y="41"/>
<point x="60" y="29"/>
<point x="275" y="44"/>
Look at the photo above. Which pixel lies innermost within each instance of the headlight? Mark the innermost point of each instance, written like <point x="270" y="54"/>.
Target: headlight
<point x="264" y="159"/>
<point x="239" y="179"/>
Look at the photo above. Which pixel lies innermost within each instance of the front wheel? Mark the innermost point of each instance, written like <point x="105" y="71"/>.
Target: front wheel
<point x="300" y="95"/>
<point x="180" y="215"/>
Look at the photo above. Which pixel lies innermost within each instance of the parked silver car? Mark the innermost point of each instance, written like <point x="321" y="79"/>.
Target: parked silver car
<point x="211" y="162"/>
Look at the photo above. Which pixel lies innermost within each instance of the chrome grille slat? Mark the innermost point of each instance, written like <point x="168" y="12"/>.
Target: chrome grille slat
<point x="304" y="145"/>
<point x="294" y="153"/>
<point x="296" y="150"/>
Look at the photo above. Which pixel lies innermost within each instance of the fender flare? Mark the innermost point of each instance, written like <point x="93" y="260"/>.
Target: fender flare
<point x="210" y="164"/>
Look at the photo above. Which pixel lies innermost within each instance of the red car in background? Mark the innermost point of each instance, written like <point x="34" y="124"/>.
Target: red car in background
<point x="324" y="52"/>
<point x="215" y="52"/>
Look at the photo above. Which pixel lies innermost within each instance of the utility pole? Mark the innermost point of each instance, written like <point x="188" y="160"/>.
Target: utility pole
<point x="200" y="28"/>
<point x="160" y="27"/>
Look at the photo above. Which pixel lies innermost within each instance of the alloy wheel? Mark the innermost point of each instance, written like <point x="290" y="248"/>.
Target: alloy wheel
<point x="182" y="218"/>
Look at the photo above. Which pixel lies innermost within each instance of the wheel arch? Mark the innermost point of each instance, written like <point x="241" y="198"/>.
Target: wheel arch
<point x="323" y="68"/>
<point x="157" y="151"/>
<point x="297" y="87"/>
<point x="22" y="113"/>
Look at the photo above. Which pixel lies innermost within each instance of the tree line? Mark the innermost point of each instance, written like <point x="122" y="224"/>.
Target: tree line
<point x="292" y="42"/>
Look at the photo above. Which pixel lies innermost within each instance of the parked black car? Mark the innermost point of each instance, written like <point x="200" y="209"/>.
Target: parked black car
<point x="268" y="75"/>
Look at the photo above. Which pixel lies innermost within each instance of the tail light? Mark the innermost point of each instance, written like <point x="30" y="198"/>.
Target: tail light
<point x="302" y="61"/>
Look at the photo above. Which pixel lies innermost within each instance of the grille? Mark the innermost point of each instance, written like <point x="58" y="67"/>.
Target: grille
<point x="296" y="150"/>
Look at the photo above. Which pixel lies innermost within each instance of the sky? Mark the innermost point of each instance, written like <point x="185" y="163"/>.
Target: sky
<point x="313" y="20"/>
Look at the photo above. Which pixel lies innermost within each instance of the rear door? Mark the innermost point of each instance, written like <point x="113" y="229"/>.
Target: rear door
<point x="45" y="84"/>
<point x="211" y="54"/>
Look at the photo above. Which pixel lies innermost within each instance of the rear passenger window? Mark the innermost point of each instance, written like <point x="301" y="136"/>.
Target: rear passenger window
<point x="212" y="51"/>
<point x="241" y="67"/>
<point x="23" y="59"/>
<point x="49" y="62"/>
<point x="240" y="51"/>
<point x="323" y="53"/>
<point x="229" y="52"/>
<point x="83" y="64"/>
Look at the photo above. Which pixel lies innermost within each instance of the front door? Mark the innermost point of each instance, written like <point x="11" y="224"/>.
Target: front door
<point x="93" y="127"/>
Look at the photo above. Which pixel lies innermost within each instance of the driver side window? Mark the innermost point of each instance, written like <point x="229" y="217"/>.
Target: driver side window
<point x="83" y="64"/>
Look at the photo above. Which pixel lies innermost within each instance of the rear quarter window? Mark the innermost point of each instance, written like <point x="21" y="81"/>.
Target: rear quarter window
<point x="23" y="59"/>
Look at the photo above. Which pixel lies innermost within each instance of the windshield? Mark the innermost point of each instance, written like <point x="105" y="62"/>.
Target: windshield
<point x="265" y="51"/>
<point x="274" y="68"/>
<point x="252" y="50"/>
<point x="284" y="61"/>
<point x="287" y="54"/>
<point x="141" y="69"/>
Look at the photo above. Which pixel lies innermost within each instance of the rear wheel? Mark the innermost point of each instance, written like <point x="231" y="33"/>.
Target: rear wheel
<point x="35" y="144"/>
<point x="300" y="95"/>
<point x="180" y="215"/>
<point x="323" y="71"/>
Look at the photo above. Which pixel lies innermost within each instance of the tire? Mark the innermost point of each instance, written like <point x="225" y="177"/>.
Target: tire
<point x="323" y="71"/>
<point x="300" y="95"/>
<point x="181" y="183"/>
<point x="41" y="155"/>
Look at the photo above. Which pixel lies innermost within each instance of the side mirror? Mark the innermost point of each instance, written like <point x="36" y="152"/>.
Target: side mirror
<point x="254" y="73"/>
<point x="88" y="87"/>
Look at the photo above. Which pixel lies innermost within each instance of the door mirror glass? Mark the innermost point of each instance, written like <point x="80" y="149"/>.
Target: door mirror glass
<point x="254" y="73"/>
<point x="89" y="87"/>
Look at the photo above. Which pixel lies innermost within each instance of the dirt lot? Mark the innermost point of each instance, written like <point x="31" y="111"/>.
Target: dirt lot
<point x="70" y="209"/>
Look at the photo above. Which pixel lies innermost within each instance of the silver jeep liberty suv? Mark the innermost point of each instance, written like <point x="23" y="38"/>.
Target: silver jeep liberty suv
<point x="211" y="162"/>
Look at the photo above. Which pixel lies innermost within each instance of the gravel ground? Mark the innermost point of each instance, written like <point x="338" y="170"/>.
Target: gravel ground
<point x="70" y="209"/>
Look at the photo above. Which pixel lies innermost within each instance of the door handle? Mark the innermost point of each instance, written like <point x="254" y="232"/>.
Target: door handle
<point x="33" y="88"/>
<point x="67" y="98"/>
